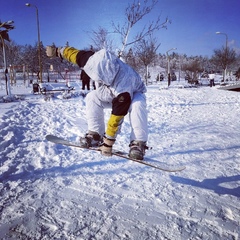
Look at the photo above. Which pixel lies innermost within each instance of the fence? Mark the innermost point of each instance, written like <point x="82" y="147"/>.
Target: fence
<point x="21" y="73"/>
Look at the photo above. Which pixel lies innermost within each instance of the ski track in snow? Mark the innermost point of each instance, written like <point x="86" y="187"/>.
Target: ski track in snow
<point x="50" y="191"/>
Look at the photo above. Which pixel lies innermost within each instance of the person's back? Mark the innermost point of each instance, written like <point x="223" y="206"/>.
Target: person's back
<point x="120" y="77"/>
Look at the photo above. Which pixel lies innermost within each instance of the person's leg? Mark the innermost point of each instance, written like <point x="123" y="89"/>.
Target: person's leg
<point x="83" y="85"/>
<point x="94" y="86"/>
<point x="139" y="126"/>
<point x="88" y="84"/>
<point x="138" y="118"/>
<point x="95" y="120"/>
<point x="96" y="102"/>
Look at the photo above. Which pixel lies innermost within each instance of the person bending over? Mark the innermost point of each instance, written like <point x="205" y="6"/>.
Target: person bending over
<point x="119" y="87"/>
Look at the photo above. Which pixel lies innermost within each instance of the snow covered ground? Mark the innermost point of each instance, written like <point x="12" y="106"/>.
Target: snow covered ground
<point x="50" y="191"/>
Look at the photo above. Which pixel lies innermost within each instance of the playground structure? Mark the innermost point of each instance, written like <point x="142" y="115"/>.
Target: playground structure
<point x="15" y="73"/>
<point x="64" y="76"/>
<point x="21" y="73"/>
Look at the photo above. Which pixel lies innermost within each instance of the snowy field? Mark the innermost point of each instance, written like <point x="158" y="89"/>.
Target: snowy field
<point x="50" y="191"/>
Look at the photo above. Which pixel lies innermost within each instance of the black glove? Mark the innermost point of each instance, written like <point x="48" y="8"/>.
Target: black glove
<point x="106" y="146"/>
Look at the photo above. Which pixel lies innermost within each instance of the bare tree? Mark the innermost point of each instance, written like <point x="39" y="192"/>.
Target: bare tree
<point x="29" y="56"/>
<point x="131" y="60"/>
<point x="192" y="69"/>
<point x="134" y="13"/>
<point x="101" y="40"/>
<point x="223" y="58"/>
<point x="237" y="74"/>
<point x="146" y="51"/>
<point x="12" y="52"/>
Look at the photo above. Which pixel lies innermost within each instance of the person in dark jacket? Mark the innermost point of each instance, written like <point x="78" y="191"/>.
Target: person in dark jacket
<point x="85" y="80"/>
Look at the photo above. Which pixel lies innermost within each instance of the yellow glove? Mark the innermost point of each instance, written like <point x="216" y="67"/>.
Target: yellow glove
<point x="106" y="146"/>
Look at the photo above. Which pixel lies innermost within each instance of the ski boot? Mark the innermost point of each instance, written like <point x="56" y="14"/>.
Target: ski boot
<point x="137" y="149"/>
<point x="91" y="139"/>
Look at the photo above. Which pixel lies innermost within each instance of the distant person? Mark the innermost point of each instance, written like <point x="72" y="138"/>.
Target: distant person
<point x="211" y="79"/>
<point x="161" y="77"/>
<point x="85" y="80"/>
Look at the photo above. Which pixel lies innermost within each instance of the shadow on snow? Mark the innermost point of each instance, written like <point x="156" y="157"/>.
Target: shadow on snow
<point x="73" y="170"/>
<point x="212" y="184"/>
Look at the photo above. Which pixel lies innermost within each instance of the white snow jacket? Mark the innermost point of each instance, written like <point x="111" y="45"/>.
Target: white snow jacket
<point x="110" y="70"/>
<point x="119" y="84"/>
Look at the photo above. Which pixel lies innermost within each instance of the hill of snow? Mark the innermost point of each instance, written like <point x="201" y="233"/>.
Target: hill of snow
<point x="49" y="191"/>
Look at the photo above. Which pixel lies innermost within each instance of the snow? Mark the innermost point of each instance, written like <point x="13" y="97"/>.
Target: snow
<point x="50" y="191"/>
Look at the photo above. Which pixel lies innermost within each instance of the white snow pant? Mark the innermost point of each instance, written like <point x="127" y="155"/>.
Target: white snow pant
<point x="97" y="102"/>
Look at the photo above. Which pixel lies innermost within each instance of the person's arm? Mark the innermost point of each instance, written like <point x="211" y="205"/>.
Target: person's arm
<point x="71" y="54"/>
<point x="120" y="107"/>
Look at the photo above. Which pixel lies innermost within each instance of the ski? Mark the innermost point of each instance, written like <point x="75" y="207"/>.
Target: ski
<point x="61" y="141"/>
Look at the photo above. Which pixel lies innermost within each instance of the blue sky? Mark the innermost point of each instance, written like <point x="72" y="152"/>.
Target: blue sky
<point x="192" y="31"/>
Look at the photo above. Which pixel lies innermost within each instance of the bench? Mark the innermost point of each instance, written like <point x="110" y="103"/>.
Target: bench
<point x="45" y="88"/>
